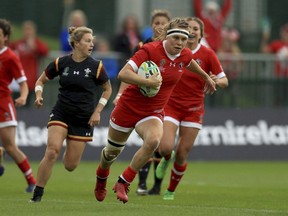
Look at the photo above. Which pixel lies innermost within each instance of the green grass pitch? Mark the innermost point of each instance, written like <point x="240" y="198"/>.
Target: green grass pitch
<point x="207" y="188"/>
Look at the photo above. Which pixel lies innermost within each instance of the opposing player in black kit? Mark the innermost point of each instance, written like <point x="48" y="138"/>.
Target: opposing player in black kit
<point x="74" y="116"/>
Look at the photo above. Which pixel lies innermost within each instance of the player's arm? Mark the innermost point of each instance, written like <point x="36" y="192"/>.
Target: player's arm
<point x="219" y="76"/>
<point x="226" y="8"/>
<point x="121" y="89"/>
<point x="124" y="85"/>
<point x="221" y="82"/>
<point x="24" y="91"/>
<point x="210" y="86"/>
<point x="107" y="91"/>
<point x="128" y="75"/>
<point x="39" y="85"/>
<point x="197" y="6"/>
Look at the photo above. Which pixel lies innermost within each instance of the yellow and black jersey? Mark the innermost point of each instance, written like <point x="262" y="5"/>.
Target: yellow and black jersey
<point x="79" y="83"/>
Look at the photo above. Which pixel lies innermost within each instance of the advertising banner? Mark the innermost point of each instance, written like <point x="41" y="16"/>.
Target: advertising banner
<point x="227" y="134"/>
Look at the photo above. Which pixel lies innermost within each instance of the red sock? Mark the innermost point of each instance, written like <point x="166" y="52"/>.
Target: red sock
<point x="167" y="157"/>
<point x="176" y="174"/>
<point x="129" y="174"/>
<point x="102" y="173"/>
<point x="24" y="166"/>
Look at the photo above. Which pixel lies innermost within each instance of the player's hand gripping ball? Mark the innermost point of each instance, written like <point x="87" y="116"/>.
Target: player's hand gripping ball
<point x="147" y="69"/>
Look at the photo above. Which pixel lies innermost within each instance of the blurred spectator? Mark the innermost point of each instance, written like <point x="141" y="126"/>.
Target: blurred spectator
<point x="213" y="17"/>
<point x="280" y="48"/>
<point x="232" y="64"/>
<point x="147" y="33"/>
<point x="128" y="38"/>
<point x="109" y="62"/>
<point x="30" y="48"/>
<point x="76" y="18"/>
<point x="230" y="40"/>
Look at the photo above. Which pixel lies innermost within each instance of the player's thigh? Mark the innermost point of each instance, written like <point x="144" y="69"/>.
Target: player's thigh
<point x="150" y="130"/>
<point x="7" y="135"/>
<point x="169" y="135"/>
<point x="118" y="136"/>
<point x="56" y="137"/>
<point x="74" y="150"/>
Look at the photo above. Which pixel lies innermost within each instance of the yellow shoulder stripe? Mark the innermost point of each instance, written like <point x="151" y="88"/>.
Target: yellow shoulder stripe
<point x="99" y="69"/>
<point x="56" y="64"/>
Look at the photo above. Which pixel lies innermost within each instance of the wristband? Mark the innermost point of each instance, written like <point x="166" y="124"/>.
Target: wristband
<point x="38" y="88"/>
<point x="103" y="101"/>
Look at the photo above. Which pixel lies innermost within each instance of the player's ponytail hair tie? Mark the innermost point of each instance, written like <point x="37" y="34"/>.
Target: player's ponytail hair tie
<point x="71" y="29"/>
<point x="176" y="31"/>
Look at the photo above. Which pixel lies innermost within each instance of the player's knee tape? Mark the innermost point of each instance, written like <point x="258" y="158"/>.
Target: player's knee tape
<point x="112" y="150"/>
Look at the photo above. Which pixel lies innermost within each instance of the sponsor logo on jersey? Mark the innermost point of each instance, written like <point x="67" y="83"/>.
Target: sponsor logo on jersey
<point x="87" y="71"/>
<point x="50" y="117"/>
<point x="172" y="64"/>
<point x="7" y="116"/>
<point x="181" y="67"/>
<point x="198" y="61"/>
<point x="162" y="63"/>
<point x="65" y="73"/>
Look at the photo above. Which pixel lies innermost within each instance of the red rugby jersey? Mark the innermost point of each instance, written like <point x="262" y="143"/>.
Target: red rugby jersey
<point x="189" y="91"/>
<point x="171" y="68"/>
<point x="10" y="68"/>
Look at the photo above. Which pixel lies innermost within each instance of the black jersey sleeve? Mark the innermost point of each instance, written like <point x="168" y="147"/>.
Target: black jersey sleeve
<point x="52" y="69"/>
<point x="101" y="74"/>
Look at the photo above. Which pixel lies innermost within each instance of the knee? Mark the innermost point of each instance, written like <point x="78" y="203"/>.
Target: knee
<point x="110" y="154"/>
<point x="165" y="149"/>
<point x="52" y="154"/>
<point x="152" y="143"/>
<point x="112" y="150"/>
<point x="70" y="167"/>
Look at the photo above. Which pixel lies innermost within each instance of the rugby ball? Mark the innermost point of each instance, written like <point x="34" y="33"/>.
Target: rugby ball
<point x="147" y="69"/>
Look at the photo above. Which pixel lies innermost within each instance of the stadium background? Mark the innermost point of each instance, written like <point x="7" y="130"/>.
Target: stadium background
<point x="105" y="16"/>
<point x="256" y="101"/>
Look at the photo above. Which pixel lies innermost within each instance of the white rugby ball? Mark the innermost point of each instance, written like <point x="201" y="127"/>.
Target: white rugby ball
<point x="147" y="69"/>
